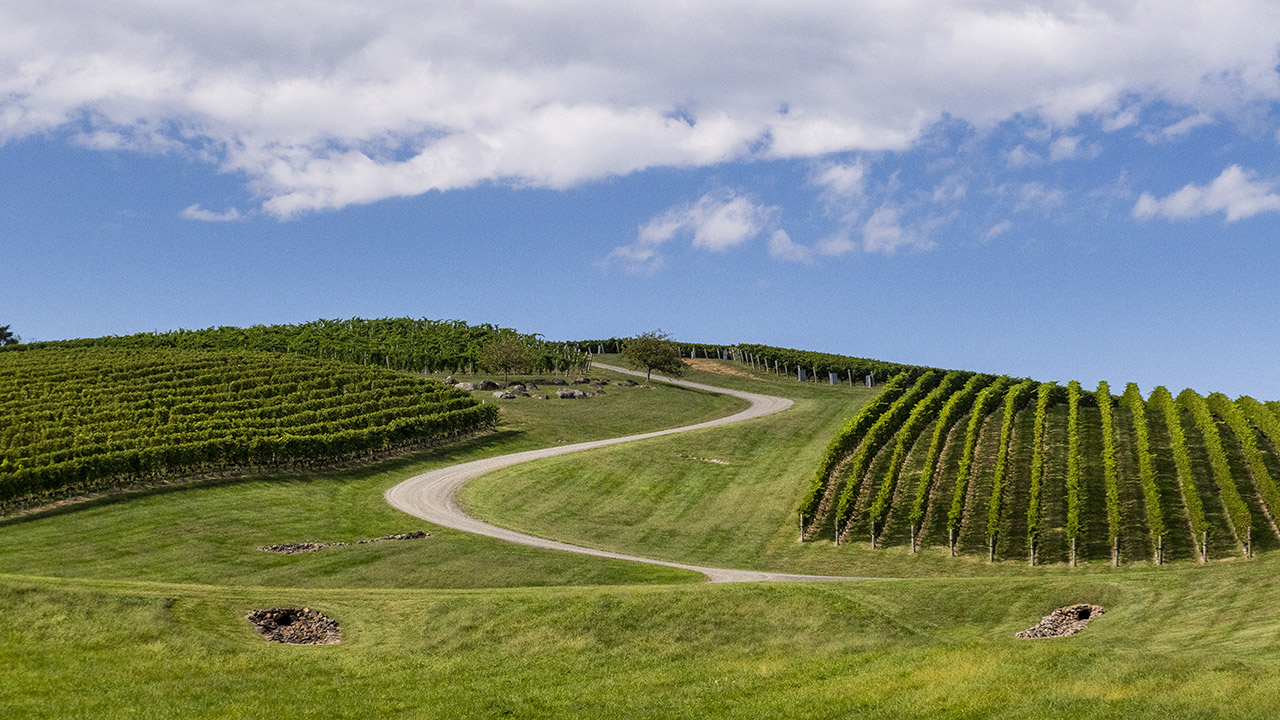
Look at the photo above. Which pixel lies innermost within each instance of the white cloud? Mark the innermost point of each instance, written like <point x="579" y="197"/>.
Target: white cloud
<point x="1064" y="148"/>
<point x="782" y="247"/>
<point x="1237" y="193"/>
<point x="1186" y="125"/>
<point x="322" y="104"/>
<point x="717" y="222"/>
<point x="195" y="212"/>
<point x="842" y="181"/>
<point x="997" y="230"/>
<point x="1020" y="157"/>
<point x="885" y="233"/>
<point x="1037" y="197"/>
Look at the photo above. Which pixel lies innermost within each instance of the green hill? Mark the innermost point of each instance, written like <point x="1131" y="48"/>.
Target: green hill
<point x="134" y="604"/>
<point x="84" y="418"/>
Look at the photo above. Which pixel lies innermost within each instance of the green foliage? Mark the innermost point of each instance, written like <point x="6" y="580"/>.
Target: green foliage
<point x="88" y="418"/>
<point x="1222" y="406"/>
<point x="395" y="343"/>
<point x="506" y="354"/>
<point x="846" y="441"/>
<point x="1132" y="399"/>
<point x="1109" y="472"/>
<point x="1014" y="399"/>
<point x="1074" y="499"/>
<point x="920" y="416"/>
<point x="826" y="362"/>
<point x="1261" y="417"/>
<point x="885" y="427"/>
<point x="957" y="405"/>
<point x="982" y="406"/>
<point x="1237" y="511"/>
<point x="1044" y="394"/>
<point x="654" y="350"/>
<point x="1163" y="401"/>
<point x="7" y="337"/>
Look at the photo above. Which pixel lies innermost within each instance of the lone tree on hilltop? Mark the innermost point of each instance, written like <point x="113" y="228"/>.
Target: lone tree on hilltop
<point x="506" y="355"/>
<point x="7" y="337"/>
<point x="654" y="351"/>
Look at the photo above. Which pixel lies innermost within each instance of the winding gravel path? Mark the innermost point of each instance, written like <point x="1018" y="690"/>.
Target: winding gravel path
<point x="431" y="496"/>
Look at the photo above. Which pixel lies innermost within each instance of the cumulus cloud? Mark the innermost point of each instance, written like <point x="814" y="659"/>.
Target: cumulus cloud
<point x="195" y="212"/>
<point x="1037" y="197"/>
<point x="841" y="181"/>
<point x="1068" y="147"/>
<point x="1238" y="193"/>
<point x="1020" y="157"/>
<point x="1186" y="125"/>
<point x="885" y="233"/>
<point x="782" y="247"/>
<point x="323" y="104"/>
<point x="717" y="222"/>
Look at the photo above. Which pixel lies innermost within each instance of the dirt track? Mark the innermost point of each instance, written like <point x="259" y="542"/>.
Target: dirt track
<point x="431" y="496"/>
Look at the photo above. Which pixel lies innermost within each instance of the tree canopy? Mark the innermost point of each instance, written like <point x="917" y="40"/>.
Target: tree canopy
<point x="651" y="351"/>
<point x="7" y="337"/>
<point x="506" y="355"/>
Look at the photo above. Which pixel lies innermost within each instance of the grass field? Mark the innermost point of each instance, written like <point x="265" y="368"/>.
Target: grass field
<point x="1185" y="645"/>
<point x="133" y="606"/>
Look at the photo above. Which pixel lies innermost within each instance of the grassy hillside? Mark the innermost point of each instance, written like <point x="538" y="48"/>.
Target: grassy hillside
<point x="1188" y="644"/>
<point x="133" y="605"/>
<point x="208" y="532"/>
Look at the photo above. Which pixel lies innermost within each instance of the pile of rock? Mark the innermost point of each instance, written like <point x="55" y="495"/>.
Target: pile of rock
<point x="1064" y="621"/>
<point x="296" y="548"/>
<point x="415" y="535"/>
<point x="296" y="626"/>
<point x="516" y="389"/>
<point x="307" y="547"/>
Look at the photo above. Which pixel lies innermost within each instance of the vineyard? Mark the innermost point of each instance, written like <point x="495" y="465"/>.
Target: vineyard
<point x="1036" y="472"/>
<point x="84" y="418"/>
<point x="405" y="344"/>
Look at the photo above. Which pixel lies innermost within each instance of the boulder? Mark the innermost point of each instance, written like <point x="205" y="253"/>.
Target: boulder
<point x="626" y="383"/>
<point x="487" y="385"/>
<point x="541" y="397"/>
<point x="514" y="386"/>
<point x="557" y="381"/>
<point x="504" y="395"/>
<point x="465" y="386"/>
<point x="448" y="380"/>
<point x="582" y="381"/>
<point x="570" y="394"/>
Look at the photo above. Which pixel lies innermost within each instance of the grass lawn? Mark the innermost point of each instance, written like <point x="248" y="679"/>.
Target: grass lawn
<point x="209" y="532"/>
<point x="1197" y="643"/>
<point x="133" y="605"/>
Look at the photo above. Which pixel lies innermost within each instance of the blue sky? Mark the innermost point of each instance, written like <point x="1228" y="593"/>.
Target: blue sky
<point x="1063" y="191"/>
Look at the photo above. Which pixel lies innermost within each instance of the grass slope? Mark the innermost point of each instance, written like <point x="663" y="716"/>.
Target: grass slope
<point x="209" y="533"/>
<point x="133" y="606"/>
<point x="1172" y="644"/>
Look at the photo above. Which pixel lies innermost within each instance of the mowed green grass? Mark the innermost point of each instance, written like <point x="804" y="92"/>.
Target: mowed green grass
<point x="1192" y="644"/>
<point x="644" y="498"/>
<point x="209" y="533"/>
<point x="134" y="606"/>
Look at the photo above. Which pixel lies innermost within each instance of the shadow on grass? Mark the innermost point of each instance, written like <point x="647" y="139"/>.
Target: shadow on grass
<point x="397" y="461"/>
